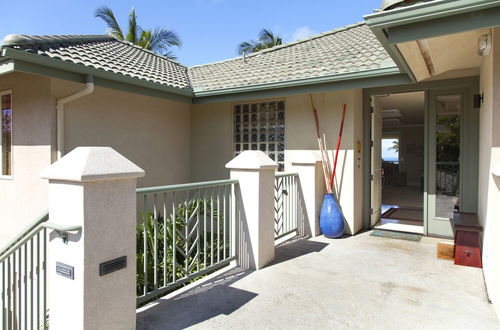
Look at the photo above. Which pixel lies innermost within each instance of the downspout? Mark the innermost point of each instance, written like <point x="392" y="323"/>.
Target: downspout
<point x="60" y="112"/>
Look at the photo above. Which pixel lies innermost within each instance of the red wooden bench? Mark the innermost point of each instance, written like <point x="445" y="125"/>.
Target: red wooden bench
<point x="467" y="246"/>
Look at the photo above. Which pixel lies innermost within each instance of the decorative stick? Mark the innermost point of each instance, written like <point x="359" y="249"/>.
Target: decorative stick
<point x="324" y="164"/>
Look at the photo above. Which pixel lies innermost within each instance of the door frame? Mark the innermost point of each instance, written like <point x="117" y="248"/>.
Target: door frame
<point x="469" y="85"/>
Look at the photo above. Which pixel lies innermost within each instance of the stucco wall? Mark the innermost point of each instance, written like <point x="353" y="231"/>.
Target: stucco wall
<point x="24" y="197"/>
<point x="212" y="145"/>
<point x="154" y="133"/>
<point x="489" y="156"/>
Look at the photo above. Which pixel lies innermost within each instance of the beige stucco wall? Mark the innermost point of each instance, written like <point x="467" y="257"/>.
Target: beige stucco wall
<point x="24" y="196"/>
<point x="212" y="145"/>
<point x="154" y="133"/>
<point x="489" y="156"/>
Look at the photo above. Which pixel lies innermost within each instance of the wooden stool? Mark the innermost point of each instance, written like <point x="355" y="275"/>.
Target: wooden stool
<point x="467" y="248"/>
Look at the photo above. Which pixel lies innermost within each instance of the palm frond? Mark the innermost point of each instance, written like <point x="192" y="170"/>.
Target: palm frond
<point x="106" y="14"/>
<point x="268" y="39"/>
<point x="251" y="46"/>
<point x="133" y="28"/>
<point x="162" y="40"/>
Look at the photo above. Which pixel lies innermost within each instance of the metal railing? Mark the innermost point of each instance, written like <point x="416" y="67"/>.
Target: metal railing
<point x="23" y="276"/>
<point x="184" y="231"/>
<point x="287" y="204"/>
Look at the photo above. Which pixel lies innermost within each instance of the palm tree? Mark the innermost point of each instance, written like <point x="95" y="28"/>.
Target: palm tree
<point x="266" y="39"/>
<point x="160" y="40"/>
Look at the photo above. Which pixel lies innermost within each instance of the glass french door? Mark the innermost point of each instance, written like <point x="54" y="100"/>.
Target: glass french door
<point x="451" y="136"/>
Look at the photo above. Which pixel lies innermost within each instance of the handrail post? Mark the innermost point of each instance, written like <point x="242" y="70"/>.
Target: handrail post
<point x="92" y="187"/>
<point x="255" y="172"/>
<point x="308" y="166"/>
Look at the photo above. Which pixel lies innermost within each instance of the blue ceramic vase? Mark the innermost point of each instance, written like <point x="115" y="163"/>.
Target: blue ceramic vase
<point x="331" y="219"/>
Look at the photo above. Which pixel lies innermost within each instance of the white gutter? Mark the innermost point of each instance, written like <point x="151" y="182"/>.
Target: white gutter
<point x="60" y="112"/>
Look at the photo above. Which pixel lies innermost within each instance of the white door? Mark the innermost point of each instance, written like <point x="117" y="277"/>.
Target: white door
<point x="376" y="170"/>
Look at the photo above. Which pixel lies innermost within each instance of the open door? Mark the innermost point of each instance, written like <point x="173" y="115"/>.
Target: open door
<point x="453" y="158"/>
<point x="376" y="170"/>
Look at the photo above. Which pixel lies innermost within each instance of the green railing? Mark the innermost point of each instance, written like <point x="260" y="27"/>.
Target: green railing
<point x="184" y="232"/>
<point x="23" y="276"/>
<point x="287" y="204"/>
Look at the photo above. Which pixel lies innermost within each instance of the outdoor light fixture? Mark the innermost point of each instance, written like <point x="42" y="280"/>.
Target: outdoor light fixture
<point x="484" y="45"/>
<point x="478" y="100"/>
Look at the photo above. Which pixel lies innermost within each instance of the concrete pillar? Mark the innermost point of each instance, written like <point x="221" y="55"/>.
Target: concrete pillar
<point x="93" y="187"/>
<point x="310" y="171"/>
<point x="256" y="172"/>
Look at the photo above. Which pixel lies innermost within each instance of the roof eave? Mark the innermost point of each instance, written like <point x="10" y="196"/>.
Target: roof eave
<point x="355" y="80"/>
<point x="432" y="19"/>
<point x="109" y="78"/>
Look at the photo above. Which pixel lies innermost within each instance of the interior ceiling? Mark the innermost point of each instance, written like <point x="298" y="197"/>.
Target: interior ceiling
<point x="439" y="55"/>
<point x="410" y="105"/>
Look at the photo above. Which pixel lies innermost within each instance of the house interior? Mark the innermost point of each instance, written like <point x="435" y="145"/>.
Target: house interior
<point x="402" y="162"/>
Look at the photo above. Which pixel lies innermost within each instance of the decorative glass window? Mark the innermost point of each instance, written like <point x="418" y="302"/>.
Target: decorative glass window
<point x="6" y="146"/>
<point x="261" y="126"/>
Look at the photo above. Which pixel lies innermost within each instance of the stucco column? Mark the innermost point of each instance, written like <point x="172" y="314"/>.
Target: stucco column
<point x="93" y="187"/>
<point x="255" y="172"/>
<point x="312" y="186"/>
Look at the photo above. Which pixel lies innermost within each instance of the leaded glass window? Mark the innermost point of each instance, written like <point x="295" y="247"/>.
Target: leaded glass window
<point x="261" y="126"/>
<point x="6" y="146"/>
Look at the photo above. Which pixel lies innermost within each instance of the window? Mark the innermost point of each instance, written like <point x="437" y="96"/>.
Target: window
<point x="390" y="150"/>
<point x="6" y="146"/>
<point x="261" y="126"/>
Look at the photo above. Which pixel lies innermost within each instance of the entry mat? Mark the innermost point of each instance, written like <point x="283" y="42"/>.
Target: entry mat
<point x="404" y="213"/>
<point x="396" y="235"/>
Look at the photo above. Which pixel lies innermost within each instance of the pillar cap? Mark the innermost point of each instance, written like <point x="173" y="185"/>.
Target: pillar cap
<point x="307" y="158"/>
<point x="90" y="164"/>
<point x="252" y="160"/>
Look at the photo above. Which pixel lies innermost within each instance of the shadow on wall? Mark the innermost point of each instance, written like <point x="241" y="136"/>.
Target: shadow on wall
<point x="243" y="244"/>
<point x="199" y="304"/>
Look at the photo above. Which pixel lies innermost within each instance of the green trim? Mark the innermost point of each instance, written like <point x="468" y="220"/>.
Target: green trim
<point x="394" y="53"/>
<point x="484" y="18"/>
<point x="301" y="82"/>
<point x="427" y="11"/>
<point x="55" y="67"/>
<point x="395" y="78"/>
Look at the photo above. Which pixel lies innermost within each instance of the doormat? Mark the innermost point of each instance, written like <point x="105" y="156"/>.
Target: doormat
<point x="404" y="213"/>
<point x="396" y="235"/>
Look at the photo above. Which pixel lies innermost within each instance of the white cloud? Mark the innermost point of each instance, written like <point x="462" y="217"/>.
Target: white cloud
<point x="302" y="33"/>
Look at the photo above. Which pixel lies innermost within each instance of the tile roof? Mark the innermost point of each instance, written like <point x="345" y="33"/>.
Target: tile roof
<point x="105" y="53"/>
<point x="349" y="49"/>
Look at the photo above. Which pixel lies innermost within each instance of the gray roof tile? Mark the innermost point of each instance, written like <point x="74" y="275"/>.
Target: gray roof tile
<point x="105" y="53"/>
<point x="349" y="49"/>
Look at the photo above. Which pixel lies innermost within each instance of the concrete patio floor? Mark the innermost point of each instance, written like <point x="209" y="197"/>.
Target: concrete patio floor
<point x="360" y="282"/>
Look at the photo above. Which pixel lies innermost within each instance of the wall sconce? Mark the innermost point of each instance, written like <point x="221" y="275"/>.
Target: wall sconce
<point x="478" y="100"/>
<point x="484" y="45"/>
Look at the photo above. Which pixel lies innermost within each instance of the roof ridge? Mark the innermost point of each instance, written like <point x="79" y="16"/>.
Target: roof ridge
<point x="288" y="44"/>
<point x="23" y="40"/>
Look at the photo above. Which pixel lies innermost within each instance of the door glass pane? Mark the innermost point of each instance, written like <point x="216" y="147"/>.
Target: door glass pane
<point x="6" y="128"/>
<point x="448" y="155"/>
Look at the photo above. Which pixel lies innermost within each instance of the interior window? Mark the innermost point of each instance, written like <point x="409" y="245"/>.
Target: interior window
<point x="6" y="146"/>
<point x="261" y="126"/>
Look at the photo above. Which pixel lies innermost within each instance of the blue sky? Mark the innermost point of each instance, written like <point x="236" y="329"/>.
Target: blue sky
<point x="387" y="152"/>
<point x="209" y="29"/>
